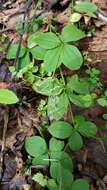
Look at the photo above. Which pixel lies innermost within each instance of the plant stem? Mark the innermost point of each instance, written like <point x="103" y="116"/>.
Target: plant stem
<point x="61" y="73"/>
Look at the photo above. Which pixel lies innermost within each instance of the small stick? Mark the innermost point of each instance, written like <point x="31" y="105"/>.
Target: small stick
<point x="101" y="17"/>
<point x="3" y="143"/>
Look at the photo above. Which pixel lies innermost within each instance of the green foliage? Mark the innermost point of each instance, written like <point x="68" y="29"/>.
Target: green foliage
<point x="53" y="142"/>
<point x="77" y="85"/>
<point x="105" y="118"/>
<point x="8" y="97"/>
<point x="93" y="78"/>
<point x="38" y="53"/>
<point x="57" y="106"/>
<point x="75" y="61"/>
<point x="48" y="86"/>
<point x="41" y="65"/>
<point x="80" y="184"/>
<point x="71" y="33"/>
<point x="85" y="128"/>
<point x="57" y="48"/>
<point x="85" y="7"/>
<point x="46" y="40"/>
<point x="60" y="129"/>
<point x="11" y="54"/>
<point x="75" y="141"/>
<point x="39" y="178"/>
<point x="102" y="101"/>
<point x="35" y="146"/>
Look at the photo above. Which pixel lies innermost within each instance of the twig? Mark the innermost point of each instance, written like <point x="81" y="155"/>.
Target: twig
<point x="3" y="143"/>
<point x="101" y="17"/>
<point x="23" y="30"/>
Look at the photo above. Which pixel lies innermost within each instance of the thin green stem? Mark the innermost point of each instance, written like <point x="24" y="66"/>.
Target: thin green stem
<point x="61" y="73"/>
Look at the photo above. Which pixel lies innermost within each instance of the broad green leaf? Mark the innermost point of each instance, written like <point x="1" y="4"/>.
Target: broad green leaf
<point x="79" y="86"/>
<point x="47" y="40"/>
<point x="71" y="33"/>
<point x="35" y="146"/>
<point x="53" y="142"/>
<point x="105" y="116"/>
<point x="11" y="54"/>
<point x="87" y="129"/>
<point x="64" y="159"/>
<point x="52" y="59"/>
<point x="54" y="169"/>
<point x="32" y="41"/>
<point x="102" y="102"/>
<point x="84" y="101"/>
<point x="79" y="119"/>
<point x="75" y="141"/>
<point x="61" y="168"/>
<point x="64" y="178"/>
<point x="105" y="125"/>
<point x="80" y="184"/>
<point x="85" y="7"/>
<point x="38" y="52"/>
<point x="57" y="106"/>
<point x="60" y="129"/>
<point x="24" y="61"/>
<point x="8" y="97"/>
<point x="40" y="178"/>
<point x="48" y="86"/>
<point x="52" y="185"/>
<point x="41" y="160"/>
<point x="71" y="57"/>
<point x="75" y="17"/>
<point x="87" y="100"/>
<point x="62" y="175"/>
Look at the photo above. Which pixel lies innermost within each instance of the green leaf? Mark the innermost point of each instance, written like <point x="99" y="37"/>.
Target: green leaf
<point x="52" y="59"/>
<point x="38" y="52"/>
<point x="41" y="160"/>
<point x="102" y="102"/>
<point x="35" y="146"/>
<point x="85" y="7"/>
<point x="87" y="129"/>
<point x="60" y="129"/>
<point x="48" y="86"/>
<point x="105" y="116"/>
<point x="54" y="169"/>
<point x="8" y="97"/>
<point x="71" y="33"/>
<point x="32" y="40"/>
<point x="71" y="57"/>
<point x="79" y="119"/>
<point x="40" y="178"/>
<point x="75" y="141"/>
<point x="61" y="168"/>
<point x="84" y="101"/>
<point x="80" y="184"/>
<point x="47" y="40"/>
<point x="52" y="145"/>
<point x="24" y="61"/>
<point x="62" y="175"/>
<point x="75" y="17"/>
<point x="79" y="86"/>
<point x="52" y="185"/>
<point x="11" y="54"/>
<point x="64" y="178"/>
<point x="57" y="106"/>
<point x="66" y="161"/>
